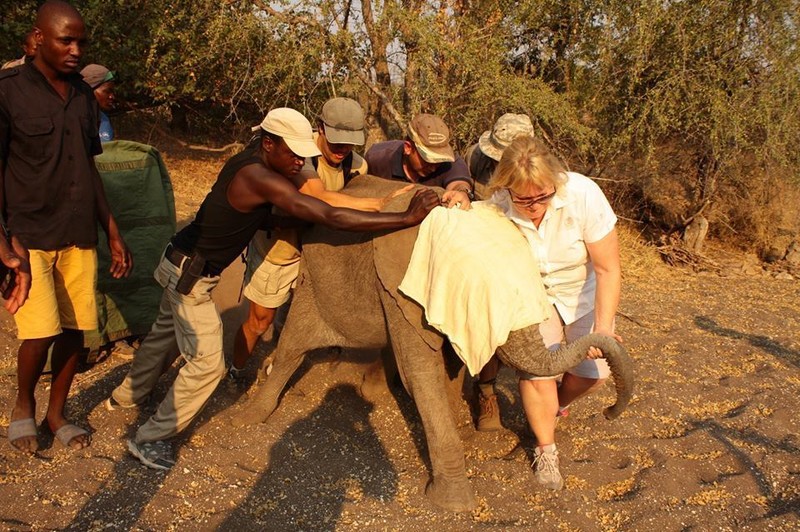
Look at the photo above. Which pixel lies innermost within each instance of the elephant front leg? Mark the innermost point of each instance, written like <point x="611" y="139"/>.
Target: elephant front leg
<point x="304" y="331"/>
<point x="423" y="374"/>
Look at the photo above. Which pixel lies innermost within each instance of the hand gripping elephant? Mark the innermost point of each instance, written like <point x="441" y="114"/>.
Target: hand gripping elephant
<point x="347" y="296"/>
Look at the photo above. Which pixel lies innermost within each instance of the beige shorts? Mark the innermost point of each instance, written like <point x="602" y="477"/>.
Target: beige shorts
<point x="62" y="294"/>
<point x="554" y="332"/>
<point x="268" y="284"/>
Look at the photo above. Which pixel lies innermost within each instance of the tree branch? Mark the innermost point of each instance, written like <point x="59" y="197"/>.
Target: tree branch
<point x="287" y="16"/>
<point x="396" y="116"/>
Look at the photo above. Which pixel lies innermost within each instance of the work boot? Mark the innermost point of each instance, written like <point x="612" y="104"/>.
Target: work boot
<point x="488" y="413"/>
<point x="545" y="469"/>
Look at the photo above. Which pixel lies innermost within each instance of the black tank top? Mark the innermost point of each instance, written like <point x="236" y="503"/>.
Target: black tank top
<point x="219" y="232"/>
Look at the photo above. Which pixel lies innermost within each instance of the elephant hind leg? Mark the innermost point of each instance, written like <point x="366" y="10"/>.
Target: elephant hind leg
<point x="264" y="401"/>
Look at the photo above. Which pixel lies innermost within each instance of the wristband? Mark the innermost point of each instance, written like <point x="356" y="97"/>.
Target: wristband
<point x="468" y="192"/>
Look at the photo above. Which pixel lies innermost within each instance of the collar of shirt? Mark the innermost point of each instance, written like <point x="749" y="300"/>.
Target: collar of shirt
<point x="29" y="69"/>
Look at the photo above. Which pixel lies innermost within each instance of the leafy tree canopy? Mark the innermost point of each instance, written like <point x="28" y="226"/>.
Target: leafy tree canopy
<point x="681" y="103"/>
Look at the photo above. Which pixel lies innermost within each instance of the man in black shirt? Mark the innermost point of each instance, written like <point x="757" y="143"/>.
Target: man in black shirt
<point x="52" y="200"/>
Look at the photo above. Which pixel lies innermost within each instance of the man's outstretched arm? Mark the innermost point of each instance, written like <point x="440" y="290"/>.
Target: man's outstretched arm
<point x="315" y="187"/>
<point x="281" y="193"/>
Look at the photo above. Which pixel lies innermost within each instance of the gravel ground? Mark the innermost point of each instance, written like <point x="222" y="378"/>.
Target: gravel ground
<point x="710" y="440"/>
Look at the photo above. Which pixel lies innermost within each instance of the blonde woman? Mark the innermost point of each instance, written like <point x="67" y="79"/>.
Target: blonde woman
<point x="570" y="227"/>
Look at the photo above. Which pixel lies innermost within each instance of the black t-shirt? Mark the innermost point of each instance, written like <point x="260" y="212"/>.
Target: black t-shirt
<point x="47" y="148"/>
<point x="219" y="232"/>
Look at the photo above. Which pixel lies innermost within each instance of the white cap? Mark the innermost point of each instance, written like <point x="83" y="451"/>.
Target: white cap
<point x="293" y="128"/>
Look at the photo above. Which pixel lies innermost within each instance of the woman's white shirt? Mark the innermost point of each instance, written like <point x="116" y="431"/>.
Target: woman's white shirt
<point x="578" y="214"/>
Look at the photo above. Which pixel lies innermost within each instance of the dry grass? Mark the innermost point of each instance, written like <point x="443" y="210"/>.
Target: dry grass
<point x="639" y="258"/>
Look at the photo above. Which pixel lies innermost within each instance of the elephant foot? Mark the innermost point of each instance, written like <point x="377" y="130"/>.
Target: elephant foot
<point x="256" y="410"/>
<point x="453" y="495"/>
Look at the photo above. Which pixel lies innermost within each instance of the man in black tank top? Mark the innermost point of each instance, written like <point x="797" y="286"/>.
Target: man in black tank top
<point x="240" y="202"/>
<point x="273" y="260"/>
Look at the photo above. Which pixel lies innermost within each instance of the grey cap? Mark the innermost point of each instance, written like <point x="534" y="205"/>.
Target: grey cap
<point x="344" y="121"/>
<point x="507" y="128"/>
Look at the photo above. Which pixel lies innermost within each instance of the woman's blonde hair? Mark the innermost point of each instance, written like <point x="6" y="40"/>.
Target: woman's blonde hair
<point x="527" y="161"/>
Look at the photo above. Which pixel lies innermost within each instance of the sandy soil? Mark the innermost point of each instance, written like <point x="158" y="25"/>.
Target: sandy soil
<point x="710" y="441"/>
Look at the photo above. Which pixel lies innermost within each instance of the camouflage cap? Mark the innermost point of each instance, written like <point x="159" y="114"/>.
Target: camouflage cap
<point x="507" y="128"/>
<point x="431" y="138"/>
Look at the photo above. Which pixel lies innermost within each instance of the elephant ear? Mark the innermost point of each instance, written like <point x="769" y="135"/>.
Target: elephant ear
<point x="392" y="255"/>
<point x="392" y="251"/>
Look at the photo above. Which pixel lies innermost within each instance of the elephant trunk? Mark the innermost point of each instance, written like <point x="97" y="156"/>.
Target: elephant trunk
<point x="525" y="351"/>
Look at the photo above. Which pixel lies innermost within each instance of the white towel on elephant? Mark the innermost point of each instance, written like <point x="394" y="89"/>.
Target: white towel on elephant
<point x="474" y="274"/>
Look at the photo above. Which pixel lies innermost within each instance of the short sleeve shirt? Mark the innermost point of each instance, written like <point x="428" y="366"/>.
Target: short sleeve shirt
<point x="47" y="146"/>
<point x="385" y="159"/>
<point x="580" y="214"/>
<point x="106" y="129"/>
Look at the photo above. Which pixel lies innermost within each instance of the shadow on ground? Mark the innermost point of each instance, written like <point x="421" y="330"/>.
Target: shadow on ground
<point x="356" y="466"/>
<point x="756" y="340"/>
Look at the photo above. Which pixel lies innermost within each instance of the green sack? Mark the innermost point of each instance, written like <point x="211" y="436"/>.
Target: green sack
<point x="139" y="193"/>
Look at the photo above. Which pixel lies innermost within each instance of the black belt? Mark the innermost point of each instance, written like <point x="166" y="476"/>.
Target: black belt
<point x="180" y="258"/>
<point x="175" y="256"/>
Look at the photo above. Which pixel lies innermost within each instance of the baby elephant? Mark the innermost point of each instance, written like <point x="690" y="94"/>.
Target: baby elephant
<point x="347" y="296"/>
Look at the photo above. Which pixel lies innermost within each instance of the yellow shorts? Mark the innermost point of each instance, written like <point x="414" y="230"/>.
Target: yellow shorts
<point x="62" y="293"/>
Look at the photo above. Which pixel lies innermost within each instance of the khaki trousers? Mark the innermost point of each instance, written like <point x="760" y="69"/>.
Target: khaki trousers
<point x="188" y="325"/>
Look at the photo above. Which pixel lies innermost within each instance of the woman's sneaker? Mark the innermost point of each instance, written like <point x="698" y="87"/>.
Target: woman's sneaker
<point x="545" y="469"/>
<point x="153" y="454"/>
